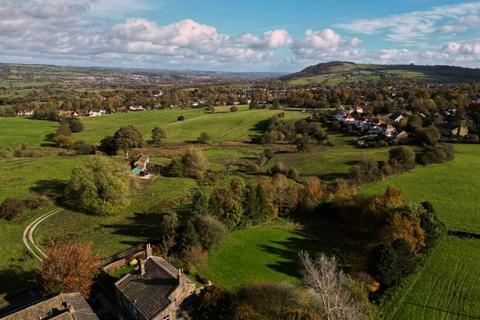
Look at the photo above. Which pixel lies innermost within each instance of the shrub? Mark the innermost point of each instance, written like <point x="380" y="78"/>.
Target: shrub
<point x="194" y="164"/>
<point x="81" y="147"/>
<point x="36" y="202"/>
<point x="180" y="118"/>
<point x="204" y="137"/>
<point x="64" y="130"/>
<point x="11" y="208"/>
<point x="233" y="109"/>
<point x="279" y="167"/>
<point x="63" y="141"/>
<point x="366" y="171"/>
<point x="402" y="158"/>
<point x="76" y="125"/>
<point x="195" y="255"/>
<point x="159" y="134"/>
<point x="210" y="231"/>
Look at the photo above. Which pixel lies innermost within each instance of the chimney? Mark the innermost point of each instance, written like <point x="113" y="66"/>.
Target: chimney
<point x="148" y="250"/>
<point x="180" y="277"/>
<point x="142" y="266"/>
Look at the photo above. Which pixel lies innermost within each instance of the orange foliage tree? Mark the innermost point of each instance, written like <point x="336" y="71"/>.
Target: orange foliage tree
<point x="70" y="267"/>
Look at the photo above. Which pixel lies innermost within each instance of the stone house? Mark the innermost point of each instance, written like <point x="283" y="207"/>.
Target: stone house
<point x="155" y="290"/>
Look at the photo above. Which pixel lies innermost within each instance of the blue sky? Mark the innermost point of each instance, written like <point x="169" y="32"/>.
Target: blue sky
<point x="238" y="35"/>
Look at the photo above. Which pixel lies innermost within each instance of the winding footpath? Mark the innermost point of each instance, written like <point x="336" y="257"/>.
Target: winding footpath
<point x="28" y="240"/>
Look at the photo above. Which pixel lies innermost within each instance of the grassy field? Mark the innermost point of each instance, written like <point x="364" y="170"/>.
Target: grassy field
<point x="17" y="131"/>
<point x="447" y="287"/>
<point x="19" y="176"/>
<point x="255" y="255"/>
<point x="329" y="162"/>
<point x="453" y="188"/>
<point x="221" y="126"/>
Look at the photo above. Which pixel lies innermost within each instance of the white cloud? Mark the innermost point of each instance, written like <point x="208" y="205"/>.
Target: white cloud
<point x="417" y="25"/>
<point x="325" y="43"/>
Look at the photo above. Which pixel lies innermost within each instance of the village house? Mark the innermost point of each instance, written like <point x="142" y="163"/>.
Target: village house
<point x="67" y="114"/>
<point x="141" y="163"/>
<point x="96" y="113"/>
<point x="155" y="290"/>
<point x="453" y="130"/>
<point x="65" y="306"/>
<point x="25" y="113"/>
<point x="136" y="108"/>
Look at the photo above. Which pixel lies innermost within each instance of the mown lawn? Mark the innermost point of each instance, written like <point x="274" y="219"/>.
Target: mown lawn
<point x="221" y="126"/>
<point x="17" y="131"/>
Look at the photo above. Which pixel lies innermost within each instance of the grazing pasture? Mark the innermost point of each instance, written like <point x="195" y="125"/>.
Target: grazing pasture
<point x="447" y="286"/>
<point x="222" y="125"/>
<point x="18" y="131"/>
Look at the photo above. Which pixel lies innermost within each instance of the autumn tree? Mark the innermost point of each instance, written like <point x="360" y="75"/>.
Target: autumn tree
<point x="313" y="193"/>
<point x="76" y="125"/>
<point x="99" y="187"/>
<point x="194" y="164"/>
<point x="69" y="267"/>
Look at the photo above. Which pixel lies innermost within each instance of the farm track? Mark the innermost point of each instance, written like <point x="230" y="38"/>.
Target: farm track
<point x="27" y="237"/>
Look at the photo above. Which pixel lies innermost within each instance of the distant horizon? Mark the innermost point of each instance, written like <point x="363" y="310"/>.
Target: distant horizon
<point x="228" y="71"/>
<point x="273" y="36"/>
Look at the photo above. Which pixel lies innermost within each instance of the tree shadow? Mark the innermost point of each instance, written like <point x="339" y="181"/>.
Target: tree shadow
<point x="143" y="226"/>
<point x="14" y="277"/>
<point x="320" y="234"/>
<point x="53" y="189"/>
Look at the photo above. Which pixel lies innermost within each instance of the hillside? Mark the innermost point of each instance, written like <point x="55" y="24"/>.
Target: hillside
<point x="336" y="72"/>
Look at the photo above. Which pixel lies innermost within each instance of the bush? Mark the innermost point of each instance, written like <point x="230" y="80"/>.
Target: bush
<point x="279" y="167"/>
<point x="181" y="118"/>
<point x="81" y="147"/>
<point x="233" y="109"/>
<point x="36" y="202"/>
<point x="159" y="134"/>
<point x="194" y="164"/>
<point x="210" y="230"/>
<point x="402" y="158"/>
<point x="63" y="141"/>
<point x="204" y="138"/>
<point x="76" y="125"/>
<point x="390" y="262"/>
<point x="11" y="208"/>
<point x="366" y="171"/>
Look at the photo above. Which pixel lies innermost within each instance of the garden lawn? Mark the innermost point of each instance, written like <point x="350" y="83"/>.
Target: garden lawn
<point x="18" y="131"/>
<point x="254" y="255"/>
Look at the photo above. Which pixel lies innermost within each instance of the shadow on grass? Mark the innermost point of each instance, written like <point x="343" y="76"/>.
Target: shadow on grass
<point x="319" y="235"/>
<point x="14" y="277"/>
<point x="50" y="188"/>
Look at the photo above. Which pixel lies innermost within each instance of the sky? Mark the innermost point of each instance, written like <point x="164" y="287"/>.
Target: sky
<point x="232" y="35"/>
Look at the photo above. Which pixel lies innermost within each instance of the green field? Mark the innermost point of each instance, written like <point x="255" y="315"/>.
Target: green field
<point x="19" y="176"/>
<point x="17" y="131"/>
<point x="221" y="126"/>
<point x="329" y="162"/>
<point x="255" y="255"/>
<point x="448" y="286"/>
<point x="453" y="188"/>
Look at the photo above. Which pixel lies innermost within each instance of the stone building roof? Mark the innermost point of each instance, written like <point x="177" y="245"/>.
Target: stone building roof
<point x="149" y="292"/>
<point x="65" y="306"/>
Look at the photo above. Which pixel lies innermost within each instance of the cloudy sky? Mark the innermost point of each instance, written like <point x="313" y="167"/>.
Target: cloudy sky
<point x="232" y="35"/>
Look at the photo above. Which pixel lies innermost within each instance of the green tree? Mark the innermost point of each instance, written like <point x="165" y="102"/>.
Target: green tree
<point x="210" y="231"/>
<point x="402" y="158"/>
<point x="127" y="138"/>
<point x="194" y="164"/>
<point x="204" y="137"/>
<point x="159" y="134"/>
<point x="199" y="202"/>
<point x="99" y="187"/>
<point x="224" y="205"/>
<point x="76" y="125"/>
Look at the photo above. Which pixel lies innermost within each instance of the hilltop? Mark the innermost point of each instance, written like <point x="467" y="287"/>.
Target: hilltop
<point x="336" y="72"/>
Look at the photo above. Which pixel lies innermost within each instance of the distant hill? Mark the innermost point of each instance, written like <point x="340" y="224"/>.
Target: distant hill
<point x="336" y="72"/>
